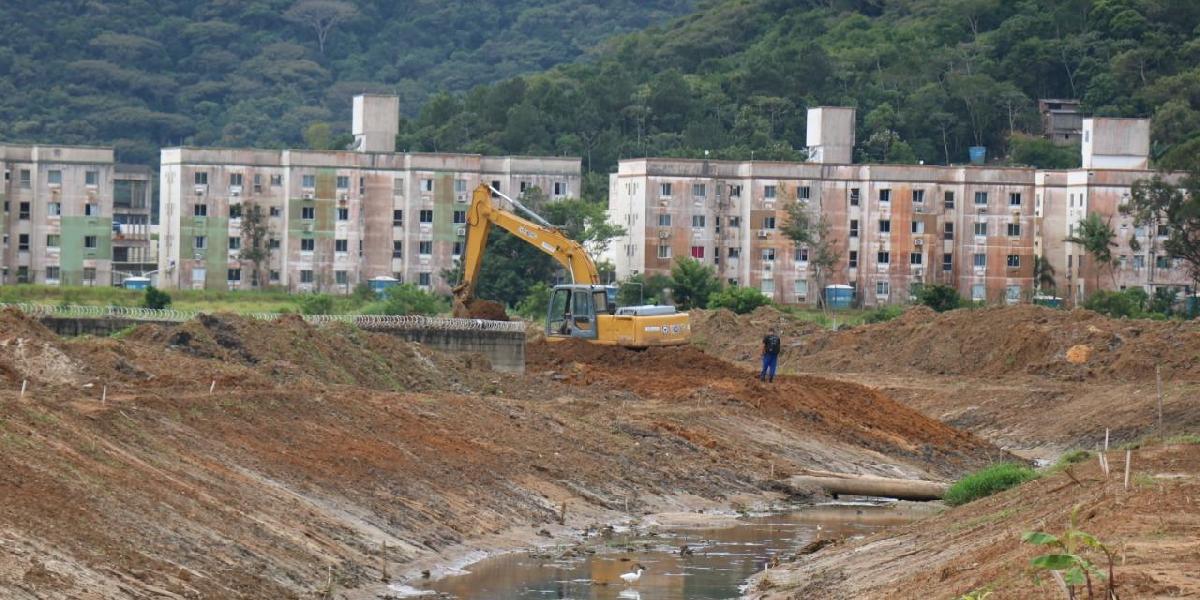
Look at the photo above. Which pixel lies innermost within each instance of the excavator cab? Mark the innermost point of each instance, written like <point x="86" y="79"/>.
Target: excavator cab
<point x="575" y="309"/>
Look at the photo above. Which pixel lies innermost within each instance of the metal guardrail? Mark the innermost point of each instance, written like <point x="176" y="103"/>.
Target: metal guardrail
<point x="368" y="322"/>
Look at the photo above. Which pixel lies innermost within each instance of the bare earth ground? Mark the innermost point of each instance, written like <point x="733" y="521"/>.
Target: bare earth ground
<point x="326" y="455"/>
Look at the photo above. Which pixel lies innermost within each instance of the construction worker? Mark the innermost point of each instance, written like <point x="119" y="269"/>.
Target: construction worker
<point x="770" y="356"/>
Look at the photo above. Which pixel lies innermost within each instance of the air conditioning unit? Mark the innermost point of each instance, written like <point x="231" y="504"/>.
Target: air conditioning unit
<point x="461" y="231"/>
<point x="308" y="226"/>
<point x="919" y="241"/>
<point x="343" y="196"/>
<point x="664" y="202"/>
<point x="981" y="209"/>
<point x="664" y="234"/>
<point x="919" y="272"/>
<point x="462" y="198"/>
<point x="306" y="196"/>
<point x="763" y="233"/>
<point x="200" y="189"/>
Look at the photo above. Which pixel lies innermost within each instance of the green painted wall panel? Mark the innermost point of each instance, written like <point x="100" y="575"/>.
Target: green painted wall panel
<point x="72" y="253"/>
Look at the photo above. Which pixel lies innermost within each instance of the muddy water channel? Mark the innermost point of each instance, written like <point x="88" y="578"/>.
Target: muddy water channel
<point x="714" y="566"/>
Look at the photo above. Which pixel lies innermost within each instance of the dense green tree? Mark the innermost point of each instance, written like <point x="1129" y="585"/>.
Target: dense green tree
<point x="692" y="283"/>
<point x="1097" y="238"/>
<point x="739" y="299"/>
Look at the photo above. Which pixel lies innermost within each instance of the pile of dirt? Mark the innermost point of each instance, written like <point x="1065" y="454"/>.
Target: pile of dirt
<point x="479" y="308"/>
<point x="723" y="333"/>
<point x="31" y="352"/>
<point x="1152" y="527"/>
<point x="991" y="342"/>
<point x="846" y="412"/>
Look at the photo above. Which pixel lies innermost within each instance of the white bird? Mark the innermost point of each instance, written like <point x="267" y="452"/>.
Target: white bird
<point x="633" y="576"/>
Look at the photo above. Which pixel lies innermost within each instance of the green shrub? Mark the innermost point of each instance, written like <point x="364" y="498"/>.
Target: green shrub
<point x="994" y="479"/>
<point x="740" y="300"/>
<point x="535" y="304"/>
<point x="882" y="314"/>
<point x="408" y="299"/>
<point x="1072" y="457"/>
<point x="939" y="297"/>
<point x="156" y="298"/>
<point x="316" y="304"/>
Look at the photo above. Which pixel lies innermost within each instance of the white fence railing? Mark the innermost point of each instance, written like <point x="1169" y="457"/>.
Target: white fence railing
<point x="369" y="322"/>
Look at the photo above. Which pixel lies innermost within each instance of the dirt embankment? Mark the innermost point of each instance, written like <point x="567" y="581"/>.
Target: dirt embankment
<point x="1153" y="529"/>
<point x="124" y="477"/>
<point x="1028" y="378"/>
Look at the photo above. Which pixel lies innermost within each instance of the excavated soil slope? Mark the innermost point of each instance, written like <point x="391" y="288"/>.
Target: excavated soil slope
<point x="124" y="477"/>
<point x="1153" y="528"/>
<point x="1028" y="378"/>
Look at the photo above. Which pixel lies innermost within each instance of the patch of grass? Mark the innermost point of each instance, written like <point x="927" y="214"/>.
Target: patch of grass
<point x="1071" y="457"/>
<point x="883" y="314"/>
<point x="993" y="479"/>
<point x="1185" y="438"/>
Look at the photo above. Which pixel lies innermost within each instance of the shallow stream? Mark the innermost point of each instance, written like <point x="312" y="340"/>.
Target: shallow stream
<point x="716" y="568"/>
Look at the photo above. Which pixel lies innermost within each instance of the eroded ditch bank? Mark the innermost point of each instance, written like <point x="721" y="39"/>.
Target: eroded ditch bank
<point x="323" y="456"/>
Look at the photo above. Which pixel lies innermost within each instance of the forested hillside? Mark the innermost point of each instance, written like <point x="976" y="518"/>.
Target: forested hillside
<point x="929" y="78"/>
<point x="144" y="73"/>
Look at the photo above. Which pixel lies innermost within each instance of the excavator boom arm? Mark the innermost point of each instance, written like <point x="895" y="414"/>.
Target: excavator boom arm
<point x="483" y="214"/>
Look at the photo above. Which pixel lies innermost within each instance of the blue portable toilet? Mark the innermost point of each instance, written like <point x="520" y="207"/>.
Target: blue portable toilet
<point x="136" y="283"/>
<point x="978" y="154"/>
<point x="839" y="296"/>
<point x="379" y="285"/>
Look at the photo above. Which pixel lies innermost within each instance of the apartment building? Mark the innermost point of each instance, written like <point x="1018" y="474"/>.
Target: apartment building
<point x="895" y="226"/>
<point x="72" y="216"/>
<point x="333" y="218"/>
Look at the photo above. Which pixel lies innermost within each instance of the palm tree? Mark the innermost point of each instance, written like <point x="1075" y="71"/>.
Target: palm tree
<point x="1098" y="239"/>
<point x="1043" y="275"/>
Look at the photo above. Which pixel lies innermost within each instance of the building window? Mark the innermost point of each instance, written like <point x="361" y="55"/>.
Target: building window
<point x="734" y="252"/>
<point x="460" y="217"/>
<point x="664" y="190"/>
<point x="425" y="247"/>
<point x="979" y="260"/>
<point x="341" y="245"/>
<point x="885" y="226"/>
<point x="424" y="279"/>
<point x="89" y="275"/>
<point x="200" y="210"/>
<point x="768" y="255"/>
<point x="664" y="252"/>
<point x="306" y="276"/>
<point x="460" y="186"/>
<point x="274" y="212"/>
<point x="235" y="243"/>
<point x="397" y="186"/>
<point x="397" y="218"/>
<point x="397" y="249"/>
<point x="801" y="288"/>
<point x="426" y="185"/>
<point x="978" y="292"/>
<point x="343" y="214"/>
<point x="234" y="275"/>
<point x="91" y="178"/>
<point x="235" y="179"/>
<point x="699" y="190"/>
<point x="664" y="220"/>
<point x="853" y="228"/>
<point x="981" y="198"/>
<point x="769" y="192"/>
<point x="918" y="227"/>
<point x="854" y="196"/>
<point x="854" y="259"/>
<point x="883" y="258"/>
<point x="200" y="178"/>
<point x="560" y="188"/>
<point x="53" y="209"/>
<point x="53" y="240"/>
<point x="343" y="182"/>
<point x="1014" y="261"/>
<point x="918" y="197"/>
<point x="273" y="244"/>
<point x="1139" y="261"/>
<point x="916" y="258"/>
<point x="23" y="242"/>
<point x="276" y="181"/>
<point x="1162" y="262"/>
<point x="882" y="289"/>
<point x="308" y="213"/>
<point x="308" y="181"/>
<point x="1163" y="231"/>
<point x="803" y="193"/>
<point x="948" y="201"/>
<point x="52" y="274"/>
<point x="802" y="255"/>
<point x="91" y="209"/>
<point x="698" y="252"/>
<point x="308" y="244"/>
<point x="947" y="262"/>
<point x="1014" y="230"/>
<point x="1013" y="293"/>
<point x="26" y="178"/>
<point x="54" y="177"/>
<point x="200" y="242"/>
<point x="425" y="216"/>
<point x="767" y="287"/>
<point x="981" y="229"/>
<point x="948" y="231"/>
<point x="1014" y="199"/>
<point x="885" y="196"/>
<point x="89" y="242"/>
<point x="698" y="221"/>
<point x="23" y="211"/>
<point x="768" y="222"/>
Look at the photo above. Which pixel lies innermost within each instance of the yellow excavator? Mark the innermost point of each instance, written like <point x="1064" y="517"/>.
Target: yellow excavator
<point x="585" y="309"/>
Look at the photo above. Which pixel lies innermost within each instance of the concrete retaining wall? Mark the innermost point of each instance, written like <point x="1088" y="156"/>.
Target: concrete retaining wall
<point x="504" y="349"/>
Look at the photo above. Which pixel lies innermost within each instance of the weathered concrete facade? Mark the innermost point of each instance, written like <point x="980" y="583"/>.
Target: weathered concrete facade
<point x="59" y="224"/>
<point x="895" y="226"/>
<point x="334" y="218"/>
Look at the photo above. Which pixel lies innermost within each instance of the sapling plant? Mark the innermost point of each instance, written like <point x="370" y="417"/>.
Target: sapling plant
<point x="1068" y="561"/>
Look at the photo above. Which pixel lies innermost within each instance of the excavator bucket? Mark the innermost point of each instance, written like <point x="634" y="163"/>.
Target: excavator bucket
<point x="476" y="308"/>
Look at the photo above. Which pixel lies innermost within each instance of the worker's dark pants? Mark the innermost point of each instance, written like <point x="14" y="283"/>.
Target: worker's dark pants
<point x="768" y="369"/>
